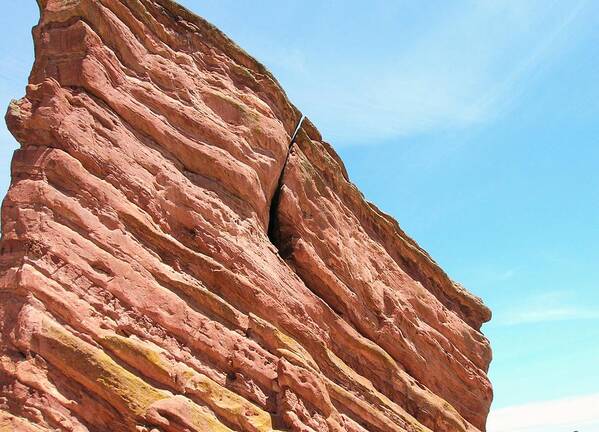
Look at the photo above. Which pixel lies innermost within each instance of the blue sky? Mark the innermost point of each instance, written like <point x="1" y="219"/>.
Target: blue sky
<point x="475" y="124"/>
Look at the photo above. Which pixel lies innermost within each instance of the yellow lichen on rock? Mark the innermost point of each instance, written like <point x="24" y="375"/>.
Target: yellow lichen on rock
<point x="95" y="370"/>
<point x="126" y="392"/>
<point x="284" y="344"/>
<point x="154" y="363"/>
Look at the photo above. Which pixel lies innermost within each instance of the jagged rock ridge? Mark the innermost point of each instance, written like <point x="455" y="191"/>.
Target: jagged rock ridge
<point x="173" y="261"/>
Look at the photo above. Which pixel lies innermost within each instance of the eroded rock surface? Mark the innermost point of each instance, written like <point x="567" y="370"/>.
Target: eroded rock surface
<point x="172" y="260"/>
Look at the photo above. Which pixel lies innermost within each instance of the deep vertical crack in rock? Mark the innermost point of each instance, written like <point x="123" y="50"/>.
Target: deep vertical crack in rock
<point x="274" y="202"/>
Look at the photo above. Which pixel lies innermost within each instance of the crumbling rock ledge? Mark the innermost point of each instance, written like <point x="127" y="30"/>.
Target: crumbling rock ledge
<point x="181" y="251"/>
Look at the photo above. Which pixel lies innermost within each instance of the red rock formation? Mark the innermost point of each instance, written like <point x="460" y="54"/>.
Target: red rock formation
<point x="173" y="261"/>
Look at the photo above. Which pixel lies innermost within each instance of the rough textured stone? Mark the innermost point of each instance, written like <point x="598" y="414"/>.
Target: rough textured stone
<point x="172" y="260"/>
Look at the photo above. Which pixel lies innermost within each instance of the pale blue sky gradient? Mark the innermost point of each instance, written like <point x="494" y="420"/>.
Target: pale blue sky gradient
<point x="475" y="124"/>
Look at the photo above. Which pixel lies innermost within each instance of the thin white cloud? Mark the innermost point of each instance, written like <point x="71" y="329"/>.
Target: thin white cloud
<point x="461" y="70"/>
<point x="545" y="307"/>
<point x="506" y="275"/>
<point x="579" y="413"/>
<point x="288" y="60"/>
<point x="545" y="315"/>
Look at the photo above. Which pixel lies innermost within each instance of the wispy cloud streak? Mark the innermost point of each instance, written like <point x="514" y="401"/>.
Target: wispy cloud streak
<point x="579" y="413"/>
<point x="551" y="314"/>
<point x="545" y="307"/>
<point x="466" y="69"/>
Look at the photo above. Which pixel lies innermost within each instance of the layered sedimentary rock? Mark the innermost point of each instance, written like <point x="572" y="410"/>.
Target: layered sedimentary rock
<point x="182" y="252"/>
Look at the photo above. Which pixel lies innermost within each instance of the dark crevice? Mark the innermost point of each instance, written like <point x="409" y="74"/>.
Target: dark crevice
<point x="274" y="202"/>
<point x="284" y="240"/>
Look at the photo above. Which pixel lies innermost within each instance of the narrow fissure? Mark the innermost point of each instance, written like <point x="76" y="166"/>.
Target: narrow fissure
<point x="274" y="203"/>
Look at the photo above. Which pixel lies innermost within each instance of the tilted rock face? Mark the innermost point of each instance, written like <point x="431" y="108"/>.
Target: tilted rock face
<point x="176" y="258"/>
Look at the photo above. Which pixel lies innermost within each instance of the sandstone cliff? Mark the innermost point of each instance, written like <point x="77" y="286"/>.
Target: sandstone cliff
<point x="181" y="251"/>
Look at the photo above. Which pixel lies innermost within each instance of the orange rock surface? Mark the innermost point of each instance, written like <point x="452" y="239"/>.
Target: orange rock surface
<point x="181" y="251"/>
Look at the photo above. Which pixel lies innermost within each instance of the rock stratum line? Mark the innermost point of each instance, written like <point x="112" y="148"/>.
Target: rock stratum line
<point x="172" y="262"/>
